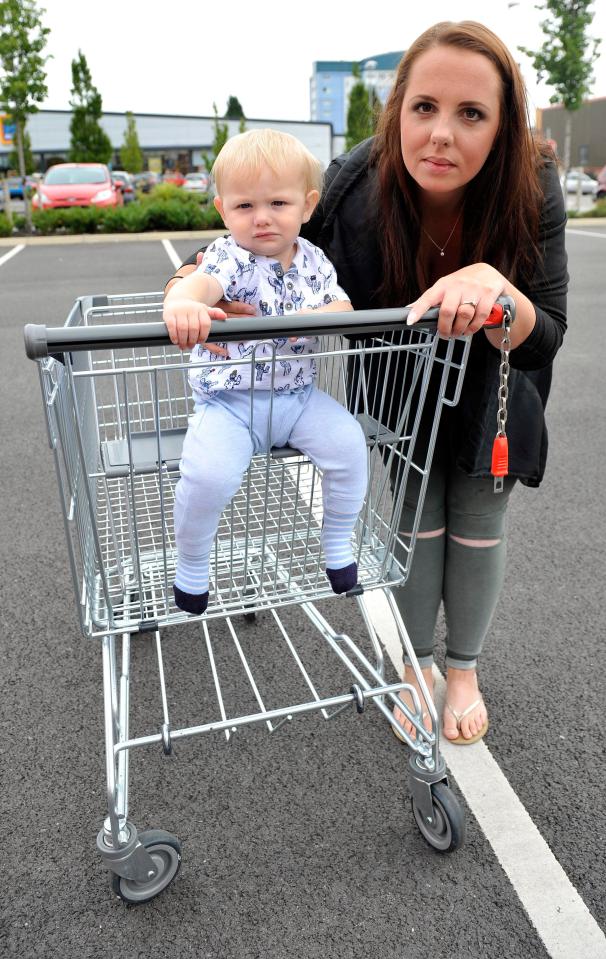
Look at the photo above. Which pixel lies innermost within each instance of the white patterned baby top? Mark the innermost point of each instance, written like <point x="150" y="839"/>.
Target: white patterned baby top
<point x="310" y="282"/>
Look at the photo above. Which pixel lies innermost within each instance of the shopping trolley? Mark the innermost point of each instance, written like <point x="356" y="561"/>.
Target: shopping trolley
<point x="117" y="402"/>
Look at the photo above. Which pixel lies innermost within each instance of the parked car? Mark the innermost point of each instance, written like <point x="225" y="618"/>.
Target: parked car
<point x="196" y="182"/>
<point x="77" y="184"/>
<point x="15" y="186"/>
<point x="588" y="184"/>
<point x="126" y="183"/>
<point x="146" y="181"/>
<point x="173" y="176"/>
<point x="601" y="194"/>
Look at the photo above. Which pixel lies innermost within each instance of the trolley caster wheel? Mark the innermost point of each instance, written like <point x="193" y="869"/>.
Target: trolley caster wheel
<point x="250" y="617"/>
<point x="165" y="851"/>
<point x="446" y="832"/>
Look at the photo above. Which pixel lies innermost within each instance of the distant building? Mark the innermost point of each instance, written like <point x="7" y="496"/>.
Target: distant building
<point x="167" y="142"/>
<point x="332" y="80"/>
<point x="588" y="143"/>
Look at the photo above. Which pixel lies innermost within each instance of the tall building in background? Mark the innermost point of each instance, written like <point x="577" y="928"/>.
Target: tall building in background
<point x="332" y="80"/>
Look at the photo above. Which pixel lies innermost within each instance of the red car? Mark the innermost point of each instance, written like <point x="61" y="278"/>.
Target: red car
<point x="77" y="184"/>
<point x="175" y="177"/>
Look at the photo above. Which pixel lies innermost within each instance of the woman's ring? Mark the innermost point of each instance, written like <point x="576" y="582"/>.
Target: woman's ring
<point x="473" y="303"/>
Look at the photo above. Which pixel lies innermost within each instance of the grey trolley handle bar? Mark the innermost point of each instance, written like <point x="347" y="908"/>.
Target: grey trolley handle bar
<point x="43" y="341"/>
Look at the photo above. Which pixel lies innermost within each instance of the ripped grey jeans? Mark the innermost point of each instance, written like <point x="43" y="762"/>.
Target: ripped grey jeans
<point x="459" y="559"/>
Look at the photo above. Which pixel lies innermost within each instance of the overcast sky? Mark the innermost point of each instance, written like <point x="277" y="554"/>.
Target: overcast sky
<point x="179" y="57"/>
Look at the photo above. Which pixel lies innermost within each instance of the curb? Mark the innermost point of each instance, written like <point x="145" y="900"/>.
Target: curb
<point x="586" y="221"/>
<point x="111" y="237"/>
<point x="158" y="235"/>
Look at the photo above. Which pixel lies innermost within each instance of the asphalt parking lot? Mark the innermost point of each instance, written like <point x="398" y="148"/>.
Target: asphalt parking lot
<point x="301" y="844"/>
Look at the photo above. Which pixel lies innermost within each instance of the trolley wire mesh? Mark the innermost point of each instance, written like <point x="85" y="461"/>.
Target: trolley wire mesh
<point x="117" y="418"/>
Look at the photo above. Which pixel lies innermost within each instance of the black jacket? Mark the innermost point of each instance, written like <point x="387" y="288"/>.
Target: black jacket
<point x="346" y="225"/>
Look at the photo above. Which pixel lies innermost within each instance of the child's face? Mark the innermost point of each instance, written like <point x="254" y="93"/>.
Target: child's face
<point x="264" y="214"/>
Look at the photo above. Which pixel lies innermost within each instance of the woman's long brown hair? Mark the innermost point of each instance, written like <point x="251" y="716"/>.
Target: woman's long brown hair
<point x="502" y="202"/>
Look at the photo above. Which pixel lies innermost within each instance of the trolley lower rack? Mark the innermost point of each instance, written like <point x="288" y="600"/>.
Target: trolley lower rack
<point x="143" y="864"/>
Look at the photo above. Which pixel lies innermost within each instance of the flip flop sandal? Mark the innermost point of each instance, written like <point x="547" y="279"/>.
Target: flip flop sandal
<point x="460" y="740"/>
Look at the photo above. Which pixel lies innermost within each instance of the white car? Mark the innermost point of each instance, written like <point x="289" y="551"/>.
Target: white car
<point x="196" y="182"/>
<point x="588" y="184"/>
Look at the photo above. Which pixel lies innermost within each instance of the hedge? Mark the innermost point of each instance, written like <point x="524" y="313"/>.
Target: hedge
<point x="78" y="219"/>
<point x="135" y="218"/>
<point x="598" y="210"/>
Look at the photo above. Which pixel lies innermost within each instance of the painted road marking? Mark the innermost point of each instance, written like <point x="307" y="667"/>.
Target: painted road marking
<point x="174" y="258"/>
<point x="552" y="903"/>
<point x="13" y="252"/>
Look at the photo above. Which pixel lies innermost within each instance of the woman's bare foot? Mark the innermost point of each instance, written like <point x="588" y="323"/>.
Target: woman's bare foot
<point x="409" y="677"/>
<point x="461" y="692"/>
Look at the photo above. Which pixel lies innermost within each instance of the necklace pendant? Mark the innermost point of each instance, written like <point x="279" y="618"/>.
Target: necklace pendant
<point x="441" y="252"/>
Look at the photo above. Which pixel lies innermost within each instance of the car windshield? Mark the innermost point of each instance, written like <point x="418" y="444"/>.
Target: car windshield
<point x="75" y="175"/>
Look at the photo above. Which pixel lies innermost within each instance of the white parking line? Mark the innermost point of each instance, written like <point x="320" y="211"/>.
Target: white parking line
<point x="173" y="256"/>
<point x="552" y="903"/>
<point x="13" y="252"/>
<point x="602" y="236"/>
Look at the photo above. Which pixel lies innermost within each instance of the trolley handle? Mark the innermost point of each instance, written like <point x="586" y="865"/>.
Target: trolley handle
<point x="42" y="341"/>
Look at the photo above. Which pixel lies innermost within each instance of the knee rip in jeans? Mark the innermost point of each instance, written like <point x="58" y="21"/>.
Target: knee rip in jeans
<point x="429" y="534"/>
<point x="476" y="543"/>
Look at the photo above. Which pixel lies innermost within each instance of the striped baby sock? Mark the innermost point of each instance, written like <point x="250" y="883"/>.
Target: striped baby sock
<point x="191" y="581"/>
<point x="341" y="569"/>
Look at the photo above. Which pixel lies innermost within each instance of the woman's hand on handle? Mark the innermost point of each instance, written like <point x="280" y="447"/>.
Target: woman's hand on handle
<point x="465" y="299"/>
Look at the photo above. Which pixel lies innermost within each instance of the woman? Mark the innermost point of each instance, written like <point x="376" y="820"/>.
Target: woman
<point x="453" y="204"/>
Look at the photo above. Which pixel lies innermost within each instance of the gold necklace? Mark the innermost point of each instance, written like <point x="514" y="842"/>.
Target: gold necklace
<point x="437" y="246"/>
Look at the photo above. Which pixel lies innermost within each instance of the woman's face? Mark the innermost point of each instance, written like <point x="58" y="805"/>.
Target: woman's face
<point x="450" y="116"/>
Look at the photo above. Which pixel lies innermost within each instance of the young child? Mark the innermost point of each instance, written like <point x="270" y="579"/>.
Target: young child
<point x="268" y="184"/>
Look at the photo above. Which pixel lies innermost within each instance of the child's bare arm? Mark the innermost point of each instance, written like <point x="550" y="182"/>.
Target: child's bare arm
<point x="189" y="308"/>
<point x="197" y="286"/>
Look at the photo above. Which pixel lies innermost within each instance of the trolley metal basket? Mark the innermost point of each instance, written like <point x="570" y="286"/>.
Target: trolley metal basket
<point x="117" y="402"/>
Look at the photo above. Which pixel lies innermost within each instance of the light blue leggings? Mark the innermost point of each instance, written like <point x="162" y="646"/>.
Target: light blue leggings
<point x="221" y="440"/>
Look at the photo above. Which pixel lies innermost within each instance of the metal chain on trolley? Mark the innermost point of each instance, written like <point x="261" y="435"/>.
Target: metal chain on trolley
<point x="500" y="453"/>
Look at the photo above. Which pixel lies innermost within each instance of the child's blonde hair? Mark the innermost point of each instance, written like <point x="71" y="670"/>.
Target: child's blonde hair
<point x="247" y="153"/>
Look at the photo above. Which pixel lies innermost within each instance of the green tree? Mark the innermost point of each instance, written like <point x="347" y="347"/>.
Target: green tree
<point x="360" y="120"/>
<point x="131" y="156"/>
<point x="89" y="141"/>
<point x="566" y="57"/>
<point x="22" y="70"/>
<point x="376" y="107"/>
<point x="28" y="156"/>
<point x="220" y="138"/>
<point x="221" y="133"/>
<point x="234" y="109"/>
